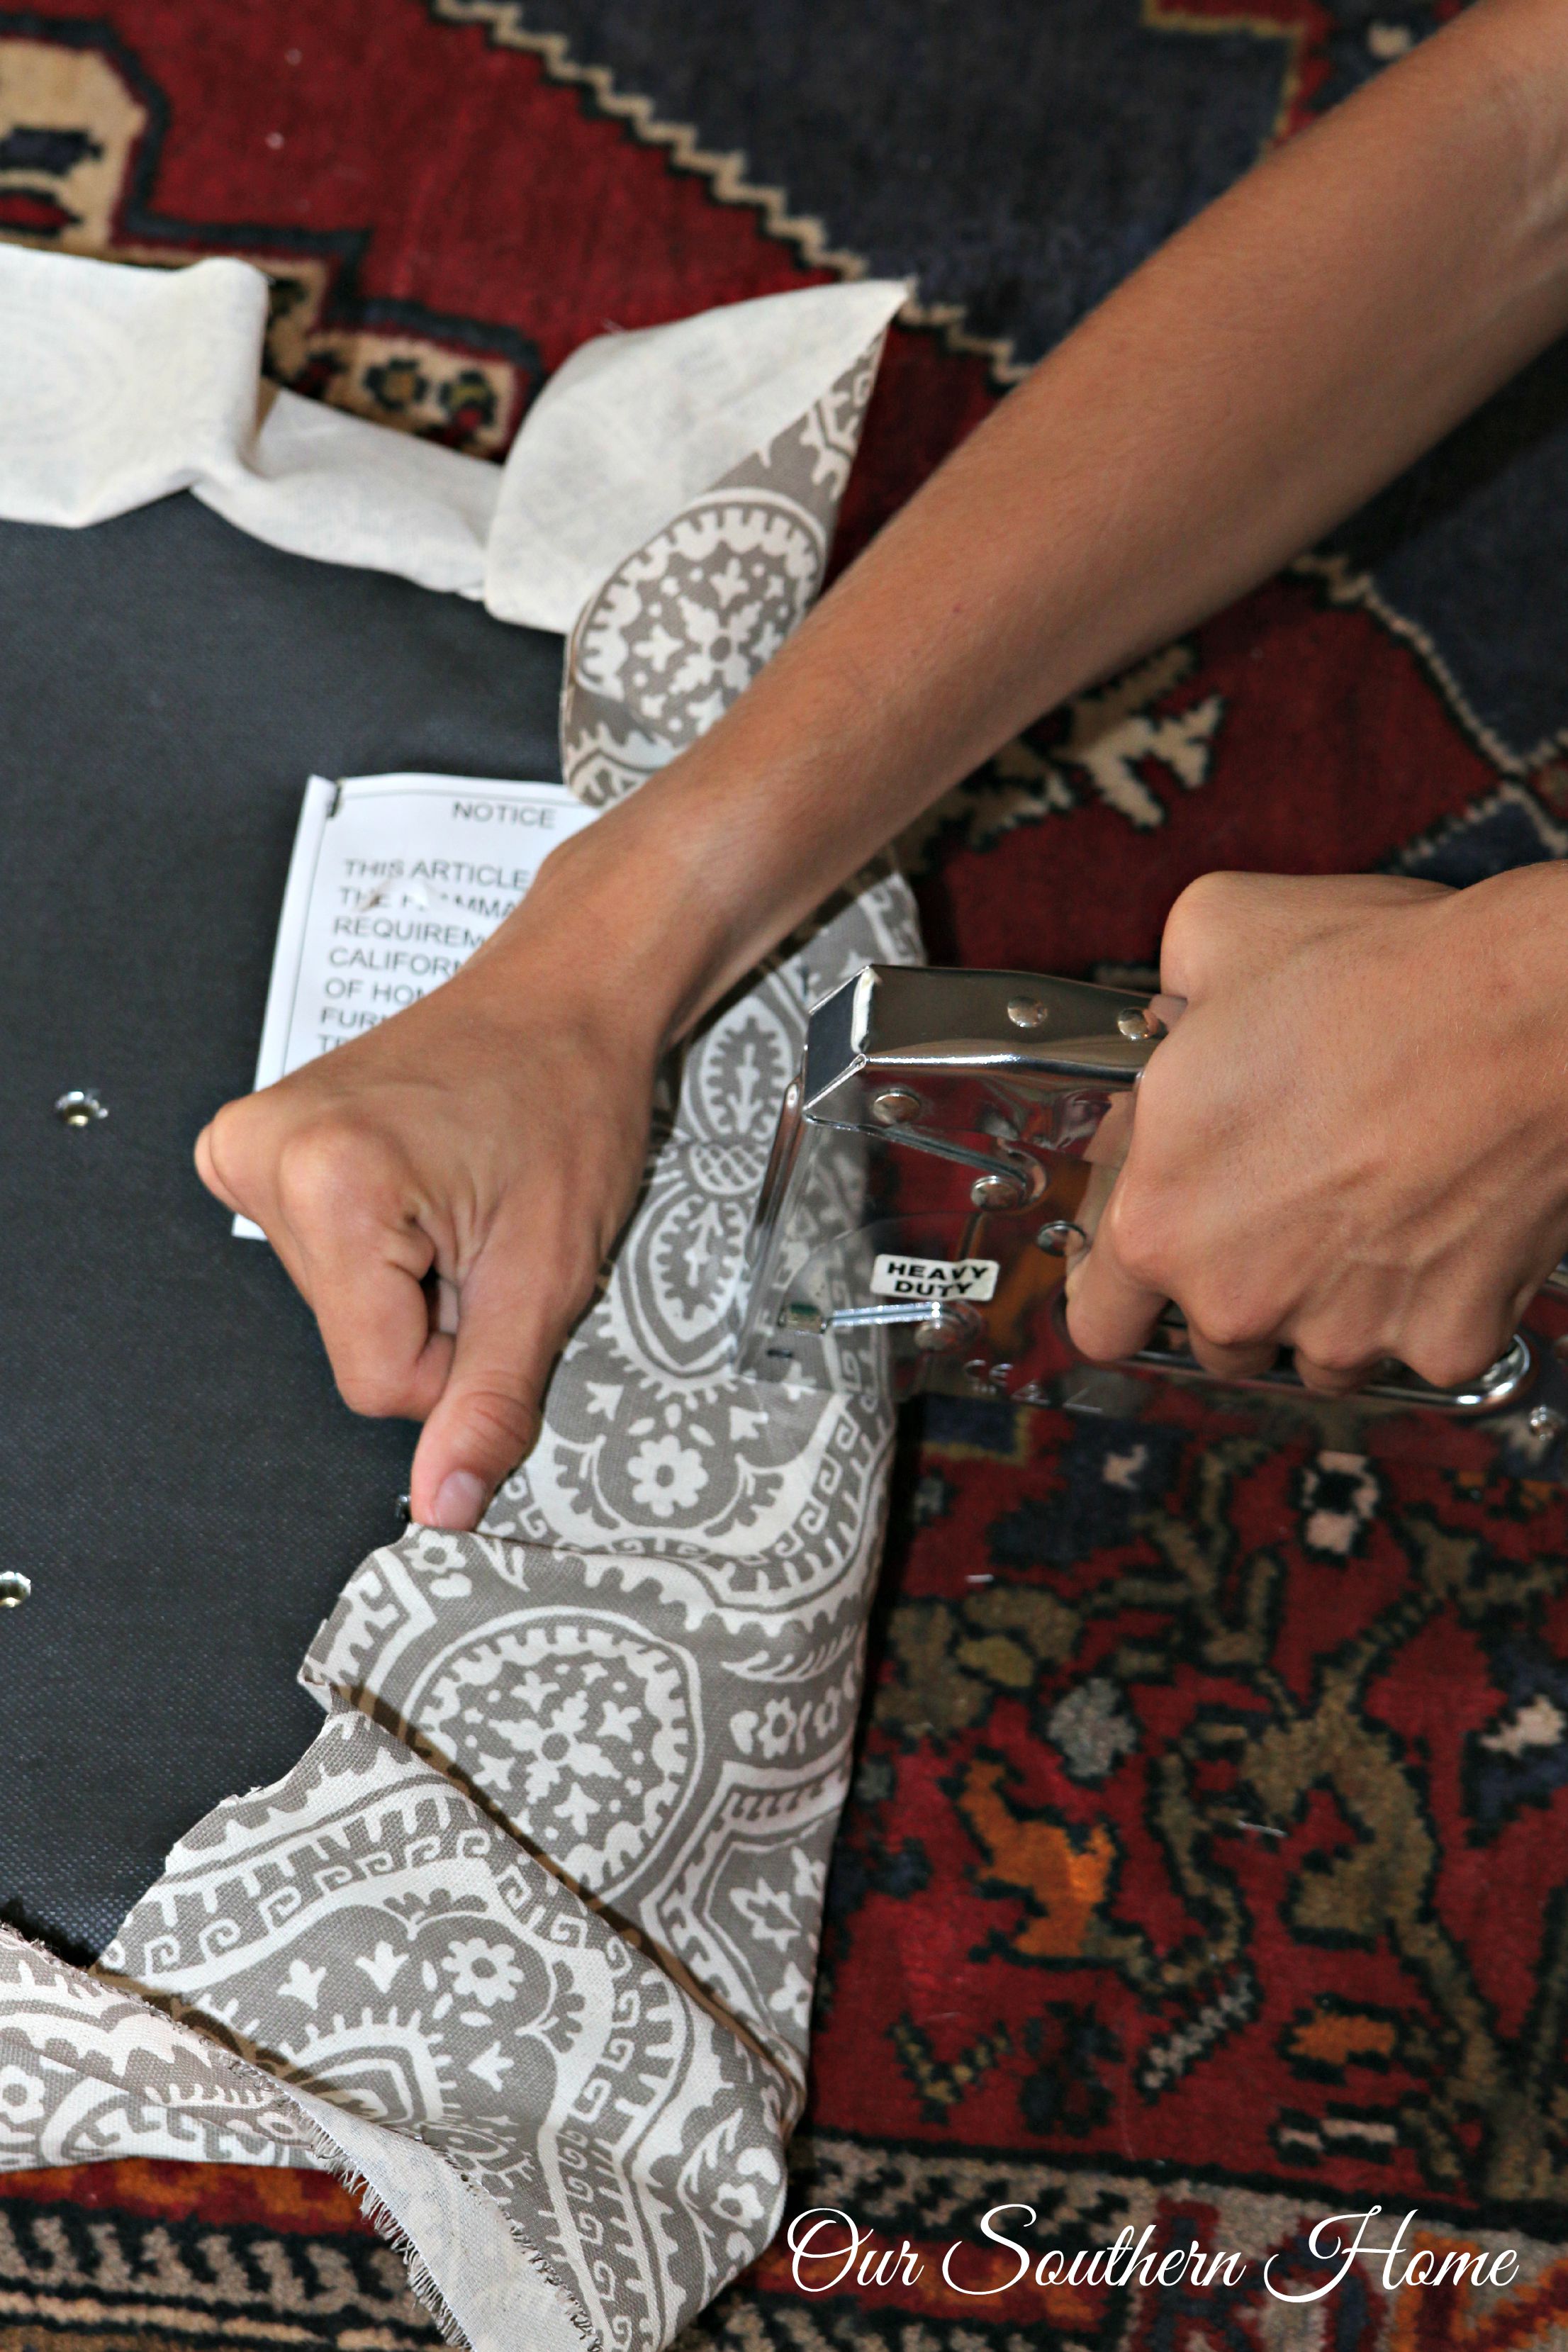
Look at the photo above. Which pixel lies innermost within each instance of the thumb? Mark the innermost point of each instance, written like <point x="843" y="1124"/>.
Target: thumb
<point x="488" y="1416"/>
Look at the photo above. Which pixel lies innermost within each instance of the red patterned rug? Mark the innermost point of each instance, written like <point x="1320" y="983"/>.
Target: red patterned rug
<point x="1201" y="1869"/>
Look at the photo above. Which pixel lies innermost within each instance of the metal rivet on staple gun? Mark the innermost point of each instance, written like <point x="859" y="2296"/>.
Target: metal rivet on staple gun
<point x="895" y="1108"/>
<point x="80" y="1107"/>
<point x="15" y="1588"/>
<point x="997" y="1191"/>
<point x="1054" y="1238"/>
<point x="1027" y="1011"/>
<point x="946" y="1328"/>
<point x="1544" y="1421"/>
<point x="1134" y="1025"/>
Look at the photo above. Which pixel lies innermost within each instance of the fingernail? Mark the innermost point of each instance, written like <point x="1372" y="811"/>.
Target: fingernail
<point x="461" y="1503"/>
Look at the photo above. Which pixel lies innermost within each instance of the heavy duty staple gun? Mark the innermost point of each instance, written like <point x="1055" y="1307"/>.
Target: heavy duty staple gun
<point x="948" y="1136"/>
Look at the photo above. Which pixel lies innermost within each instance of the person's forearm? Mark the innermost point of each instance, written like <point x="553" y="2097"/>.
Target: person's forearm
<point x="1296" y="346"/>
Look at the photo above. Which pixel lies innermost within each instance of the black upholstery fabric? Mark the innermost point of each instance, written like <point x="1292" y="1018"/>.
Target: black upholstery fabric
<point x="177" y="1476"/>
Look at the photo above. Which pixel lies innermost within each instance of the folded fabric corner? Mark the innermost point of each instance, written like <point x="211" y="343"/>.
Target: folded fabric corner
<point x="120" y="383"/>
<point x="635" y="426"/>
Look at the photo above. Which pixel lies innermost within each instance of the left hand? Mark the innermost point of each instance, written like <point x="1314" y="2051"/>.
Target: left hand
<point x="444" y="1188"/>
<point x="1354" y="1143"/>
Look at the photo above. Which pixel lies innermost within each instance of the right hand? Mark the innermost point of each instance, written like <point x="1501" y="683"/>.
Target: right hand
<point x="445" y="1189"/>
<point x="1352" y="1142"/>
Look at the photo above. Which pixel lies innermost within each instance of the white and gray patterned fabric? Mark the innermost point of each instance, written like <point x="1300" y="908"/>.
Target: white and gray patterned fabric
<point x="525" y="1945"/>
<point x="365" y="1932"/>
<point x="685" y="622"/>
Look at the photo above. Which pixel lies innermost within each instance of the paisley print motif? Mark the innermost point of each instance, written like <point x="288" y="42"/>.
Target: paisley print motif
<point x="525" y="1943"/>
<point x="685" y="622"/>
<point x="588" y="1726"/>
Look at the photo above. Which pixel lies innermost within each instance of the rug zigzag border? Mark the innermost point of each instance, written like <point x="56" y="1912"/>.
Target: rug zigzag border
<point x="1342" y="585"/>
<point x="725" y="173"/>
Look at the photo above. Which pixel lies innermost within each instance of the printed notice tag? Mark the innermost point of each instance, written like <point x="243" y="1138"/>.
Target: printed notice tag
<point x="935" y="1278"/>
<point x="393" y="882"/>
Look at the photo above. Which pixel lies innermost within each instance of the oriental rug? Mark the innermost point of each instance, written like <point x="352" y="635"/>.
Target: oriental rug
<point x="1204" y="1868"/>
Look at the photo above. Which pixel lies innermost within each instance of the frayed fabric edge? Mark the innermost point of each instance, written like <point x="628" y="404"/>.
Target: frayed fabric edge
<point x="474" y="2310"/>
<point x="565" y="2325"/>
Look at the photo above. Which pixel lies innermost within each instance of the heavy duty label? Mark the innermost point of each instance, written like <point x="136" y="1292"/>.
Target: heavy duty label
<point x="934" y="1277"/>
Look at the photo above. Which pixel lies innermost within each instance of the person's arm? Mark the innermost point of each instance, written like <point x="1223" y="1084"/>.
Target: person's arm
<point x="1293" y="348"/>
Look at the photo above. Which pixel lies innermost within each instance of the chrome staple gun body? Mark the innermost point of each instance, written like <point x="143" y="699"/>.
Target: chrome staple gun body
<point x="947" y="1137"/>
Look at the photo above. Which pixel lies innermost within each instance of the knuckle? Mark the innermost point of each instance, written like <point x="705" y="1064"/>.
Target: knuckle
<point x="1138" y="1233"/>
<point x="229" y="1135"/>
<point x="1325" y="1379"/>
<point x="1144" y="1262"/>
<point x="1202" y="909"/>
<point x="231" y="1120"/>
<point x="1340" y="1351"/>
<point x="1227" y="1318"/>
<point x="1450" y="1359"/>
<point x="377" y="1394"/>
<point x="499" y="1421"/>
<point x="1229" y="1328"/>
<point x="329" y="1165"/>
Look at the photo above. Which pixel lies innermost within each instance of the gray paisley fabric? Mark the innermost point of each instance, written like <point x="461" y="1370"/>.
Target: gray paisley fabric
<point x="363" y="1931"/>
<point x="687" y="620"/>
<point x="653" y="1676"/>
<point x="525" y="1945"/>
<point x="88" y="2072"/>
